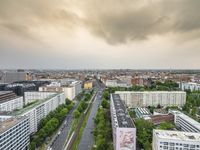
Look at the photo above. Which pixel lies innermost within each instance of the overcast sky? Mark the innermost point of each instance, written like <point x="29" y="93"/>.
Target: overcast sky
<point x="100" y="34"/>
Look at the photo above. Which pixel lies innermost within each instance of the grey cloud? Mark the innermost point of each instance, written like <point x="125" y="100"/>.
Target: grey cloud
<point x="23" y="16"/>
<point x="120" y="21"/>
<point x="116" y="21"/>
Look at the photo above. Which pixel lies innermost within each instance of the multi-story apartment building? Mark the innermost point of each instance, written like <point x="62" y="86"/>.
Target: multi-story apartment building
<point x="175" y="140"/>
<point x="189" y="86"/>
<point x="9" y="101"/>
<point x="33" y="96"/>
<point x="123" y="128"/>
<point x="14" y="134"/>
<point x="152" y="98"/>
<point x="70" y="91"/>
<point x="184" y="122"/>
<point x="38" y="110"/>
<point x="116" y="83"/>
<point x="9" y="77"/>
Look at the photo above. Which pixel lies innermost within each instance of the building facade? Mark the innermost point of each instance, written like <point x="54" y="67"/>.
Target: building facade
<point x="10" y="77"/>
<point x="88" y="85"/>
<point x="33" y="96"/>
<point x="14" y="134"/>
<point x="117" y="83"/>
<point x="38" y="110"/>
<point x="184" y="122"/>
<point x="70" y="91"/>
<point x="9" y="101"/>
<point x="189" y="86"/>
<point x="123" y="128"/>
<point x="175" y="140"/>
<point x="152" y="98"/>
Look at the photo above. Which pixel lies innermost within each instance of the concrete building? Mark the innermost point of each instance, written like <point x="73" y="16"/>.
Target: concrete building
<point x="184" y="122"/>
<point x="23" y="86"/>
<point x="30" y="97"/>
<point x="175" y="140"/>
<point x="117" y="83"/>
<point x="10" y="77"/>
<point x="38" y="110"/>
<point x="189" y="86"/>
<point x="70" y="91"/>
<point x="88" y="85"/>
<point x="9" y="101"/>
<point x="123" y="128"/>
<point x="134" y="99"/>
<point x="14" y="134"/>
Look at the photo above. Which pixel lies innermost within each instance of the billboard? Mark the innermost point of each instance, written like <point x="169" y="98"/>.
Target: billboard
<point x="126" y="139"/>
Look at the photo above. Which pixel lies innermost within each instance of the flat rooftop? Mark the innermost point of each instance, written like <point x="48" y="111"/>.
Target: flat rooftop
<point x="33" y="105"/>
<point x="123" y="118"/>
<point x="5" y="125"/>
<point x="147" y="92"/>
<point x="7" y="96"/>
<point x="177" y="135"/>
<point x="187" y="118"/>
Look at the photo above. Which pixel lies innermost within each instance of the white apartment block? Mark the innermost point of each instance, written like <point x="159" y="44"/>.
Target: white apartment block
<point x="33" y="96"/>
<point x="9" y="101"/>
<point x="70" y="91"/>
<point x="175" y="140"/>
<point x="184" y="122"/>
<point x="134" y="99"/>
<point x="39" y="110"/>
<point x="189" y="86"/>
<point x="14" y="134"/>
<point x="123" y="128"/>
<point x="13" y="104"/>
<point x="116" y="83"/>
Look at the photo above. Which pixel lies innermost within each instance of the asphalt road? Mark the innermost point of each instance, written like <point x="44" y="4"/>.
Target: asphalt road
<point x="87" y="139"/>
<point x="60" y="139"/>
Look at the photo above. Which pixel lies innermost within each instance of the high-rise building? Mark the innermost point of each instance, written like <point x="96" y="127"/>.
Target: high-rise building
<point x="123" y="128"/>
<point x="184" y="122"/>
<point x="37" y="110"/>
<point x="116" y="83"/>
<point x="10" y="77"/>
<point x="175" y="140"/>
<point x="9" y="101"/>
<point x="70" y="91"/>
<point x="189" y="86"/>
<point x="152" y="98"/>
<point x="14" y="134"/>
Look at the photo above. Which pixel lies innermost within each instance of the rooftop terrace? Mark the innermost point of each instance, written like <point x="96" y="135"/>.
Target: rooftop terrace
<point x="33" y="105"/>
<point x="5" y="125"/>
<point x="177" y="135"/>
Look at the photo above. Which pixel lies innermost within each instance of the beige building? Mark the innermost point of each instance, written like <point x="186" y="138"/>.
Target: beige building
<point x="88" y="85"/>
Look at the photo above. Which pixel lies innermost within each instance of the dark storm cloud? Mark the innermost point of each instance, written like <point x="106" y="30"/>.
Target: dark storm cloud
<point x="120" y="21"/>
<point x="116" y="21"/>
<point x="22" y="17"/>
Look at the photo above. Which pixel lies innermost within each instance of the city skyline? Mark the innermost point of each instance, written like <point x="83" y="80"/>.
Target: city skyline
<point x="91" y="34"/>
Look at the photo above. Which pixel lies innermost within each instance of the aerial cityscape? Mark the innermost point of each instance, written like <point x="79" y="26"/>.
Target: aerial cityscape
<point x="99" y="75"/>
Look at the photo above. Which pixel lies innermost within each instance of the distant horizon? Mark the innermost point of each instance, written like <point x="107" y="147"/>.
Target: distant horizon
<point x="174" y="69"/>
